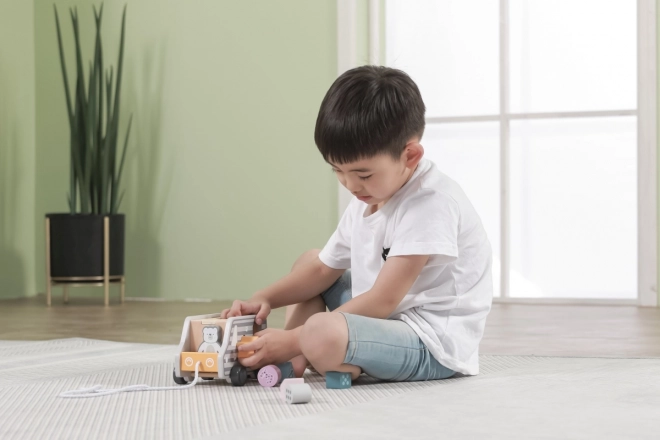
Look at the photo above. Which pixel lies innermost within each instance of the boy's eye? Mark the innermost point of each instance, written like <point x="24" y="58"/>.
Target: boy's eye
<point x="365" y="177"/>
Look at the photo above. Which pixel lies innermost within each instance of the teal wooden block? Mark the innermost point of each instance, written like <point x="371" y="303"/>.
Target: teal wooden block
<point x="287" y="370"/>
<point x="335" y="380"/>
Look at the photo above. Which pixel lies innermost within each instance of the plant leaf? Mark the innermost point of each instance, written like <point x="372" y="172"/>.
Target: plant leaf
<point x="116" y="207"/>
<point x="67" y="92"/>
<point x="81" y="121"/>
<point x="123" y="157"/>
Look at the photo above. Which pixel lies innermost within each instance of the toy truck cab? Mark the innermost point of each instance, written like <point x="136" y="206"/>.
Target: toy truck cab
<point x="212" y="341"/>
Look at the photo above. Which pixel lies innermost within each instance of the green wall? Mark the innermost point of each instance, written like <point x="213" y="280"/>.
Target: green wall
<point x="17" y="149"/>
<point x="224" y="95"/>
<point x="225" y="187"/>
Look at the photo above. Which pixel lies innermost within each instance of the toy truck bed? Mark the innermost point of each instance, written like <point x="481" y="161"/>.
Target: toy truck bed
<point x="222" y="364"/>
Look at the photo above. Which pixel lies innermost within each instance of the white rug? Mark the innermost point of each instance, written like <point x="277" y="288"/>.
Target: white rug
<point x="514" y="397"/>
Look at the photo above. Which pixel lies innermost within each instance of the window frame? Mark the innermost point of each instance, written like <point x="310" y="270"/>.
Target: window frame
<point x="647" y="120"/>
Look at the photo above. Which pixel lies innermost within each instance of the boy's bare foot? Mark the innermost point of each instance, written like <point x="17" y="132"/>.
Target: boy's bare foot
<point x="299" y="364"/>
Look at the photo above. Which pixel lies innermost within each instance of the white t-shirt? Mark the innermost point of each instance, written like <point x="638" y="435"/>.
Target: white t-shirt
<point x="430" y="215"/>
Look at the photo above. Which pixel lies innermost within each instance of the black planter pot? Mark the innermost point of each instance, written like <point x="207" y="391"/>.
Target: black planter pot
<point x="76" y="245"/>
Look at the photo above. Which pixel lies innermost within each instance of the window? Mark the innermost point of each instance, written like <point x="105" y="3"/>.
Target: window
<point x="544" y="112"/>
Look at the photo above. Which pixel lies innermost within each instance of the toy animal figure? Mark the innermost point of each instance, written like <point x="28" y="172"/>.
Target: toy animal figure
<point x="212" y="334"/>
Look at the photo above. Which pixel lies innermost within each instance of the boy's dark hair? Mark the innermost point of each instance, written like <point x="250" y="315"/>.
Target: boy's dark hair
<point x="369" y="110"/>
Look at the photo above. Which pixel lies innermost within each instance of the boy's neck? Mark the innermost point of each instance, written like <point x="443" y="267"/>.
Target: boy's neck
<point x="380" y="205"/>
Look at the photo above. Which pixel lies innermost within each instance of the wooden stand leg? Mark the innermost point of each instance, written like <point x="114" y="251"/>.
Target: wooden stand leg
<point x="123" y="288"/>
<point x="106" y="259"/>
<point x="48" y="280"/>
<point x="66" y="294"/>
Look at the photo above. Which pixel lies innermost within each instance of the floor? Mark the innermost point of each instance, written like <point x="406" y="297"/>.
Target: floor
<point x="513" y="329"/>
<point x="513" y="398"/>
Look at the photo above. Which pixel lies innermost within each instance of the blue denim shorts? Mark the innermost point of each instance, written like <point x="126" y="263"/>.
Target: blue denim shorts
<point x="386" y="349"/>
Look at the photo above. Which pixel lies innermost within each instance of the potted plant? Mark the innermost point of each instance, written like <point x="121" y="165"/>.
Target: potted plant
<point x="86" y="245"/>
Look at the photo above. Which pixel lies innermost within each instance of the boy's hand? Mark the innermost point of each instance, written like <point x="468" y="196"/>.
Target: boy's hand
<point x="250" y="307"/>
<point x="274" y="346"/>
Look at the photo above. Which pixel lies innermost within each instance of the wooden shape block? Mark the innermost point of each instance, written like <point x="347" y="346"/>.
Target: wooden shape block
<point x="269" y="376"/>
<point x="285" y="384"/>
<point x="245" y="340"/>
<point x="209" y="361"/>
<point x="336" y="380"/>
<point x="243" y="354"/>
<point x="287" y="370"/>
<point x="298" y="393"/>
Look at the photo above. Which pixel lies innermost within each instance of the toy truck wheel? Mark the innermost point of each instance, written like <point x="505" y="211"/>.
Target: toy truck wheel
<point x="238" y="375"/>
<point x="179" y="380"/>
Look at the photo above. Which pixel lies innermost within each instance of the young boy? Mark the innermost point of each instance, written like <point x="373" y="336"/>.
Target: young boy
<point x="406" y="276"/>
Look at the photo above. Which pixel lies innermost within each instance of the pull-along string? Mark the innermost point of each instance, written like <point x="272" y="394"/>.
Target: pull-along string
<point x="97" y="390"/>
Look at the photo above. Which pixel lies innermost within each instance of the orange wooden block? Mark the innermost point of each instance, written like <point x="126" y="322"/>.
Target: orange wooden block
<point x="209" y="361"/>
<point x="245" y="340"/>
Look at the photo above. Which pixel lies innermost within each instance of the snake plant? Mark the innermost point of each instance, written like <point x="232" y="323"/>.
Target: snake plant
<point x="93" y="111"/>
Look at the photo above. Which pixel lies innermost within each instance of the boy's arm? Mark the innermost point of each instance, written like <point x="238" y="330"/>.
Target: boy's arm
<point x="306" y="281"/>
<point x="394" y="281"/>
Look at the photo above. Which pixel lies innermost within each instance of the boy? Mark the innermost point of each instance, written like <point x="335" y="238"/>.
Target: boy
<point x="407" y="274"/>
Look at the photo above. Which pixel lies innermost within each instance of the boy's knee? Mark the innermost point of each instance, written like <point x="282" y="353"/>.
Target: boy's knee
<point x="323" y="333"/>
<point x="306" y="256"/>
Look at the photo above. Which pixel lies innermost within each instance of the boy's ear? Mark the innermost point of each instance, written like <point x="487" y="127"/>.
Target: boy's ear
<point x="413" y="153"/>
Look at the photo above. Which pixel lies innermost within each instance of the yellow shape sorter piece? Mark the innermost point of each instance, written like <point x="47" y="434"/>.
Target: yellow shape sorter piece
<point x="209" y="361"/>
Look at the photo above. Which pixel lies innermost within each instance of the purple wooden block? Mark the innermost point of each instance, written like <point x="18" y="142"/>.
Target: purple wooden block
<point x="269" y="376"/>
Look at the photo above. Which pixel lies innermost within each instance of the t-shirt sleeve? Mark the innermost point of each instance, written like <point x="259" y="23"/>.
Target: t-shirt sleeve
<point x="337" y="251"/>
<point x="427" y="225"/>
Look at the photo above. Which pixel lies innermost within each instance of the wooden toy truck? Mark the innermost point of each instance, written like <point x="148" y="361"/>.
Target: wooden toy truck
<point x="212" y="341"/>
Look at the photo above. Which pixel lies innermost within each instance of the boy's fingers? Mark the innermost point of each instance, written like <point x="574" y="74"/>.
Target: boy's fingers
<point x="253" y="360"/>
<point x="262" y="314"/>
<point x="235" y="309"/>
<point x="263" y="332"/>
<point x="239" y="308"/>
<point x="248" y="362"/>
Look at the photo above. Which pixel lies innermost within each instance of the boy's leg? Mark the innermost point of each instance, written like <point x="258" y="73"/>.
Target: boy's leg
<point x="298" y="314"/>
<point x="382" y="348"/>
<point x="324" y="342"/>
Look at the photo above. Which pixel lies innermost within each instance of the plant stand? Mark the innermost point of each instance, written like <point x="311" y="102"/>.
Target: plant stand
<point x="99" y="281"/>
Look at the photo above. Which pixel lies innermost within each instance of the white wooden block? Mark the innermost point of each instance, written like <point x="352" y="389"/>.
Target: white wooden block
<point x="298" y="393"/>
<point x="285" y="384"/>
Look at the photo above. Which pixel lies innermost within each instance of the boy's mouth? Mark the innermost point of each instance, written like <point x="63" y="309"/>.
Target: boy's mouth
<point x="364" y="198"/>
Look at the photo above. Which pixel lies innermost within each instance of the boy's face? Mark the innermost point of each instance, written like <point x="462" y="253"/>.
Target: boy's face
<point x="375" y="180"/>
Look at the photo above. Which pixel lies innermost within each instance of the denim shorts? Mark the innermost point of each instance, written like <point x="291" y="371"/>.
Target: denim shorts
<point x="386" y="349"/>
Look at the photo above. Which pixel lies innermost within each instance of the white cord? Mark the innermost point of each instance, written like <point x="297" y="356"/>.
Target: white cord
<point x="97" y="390"/>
